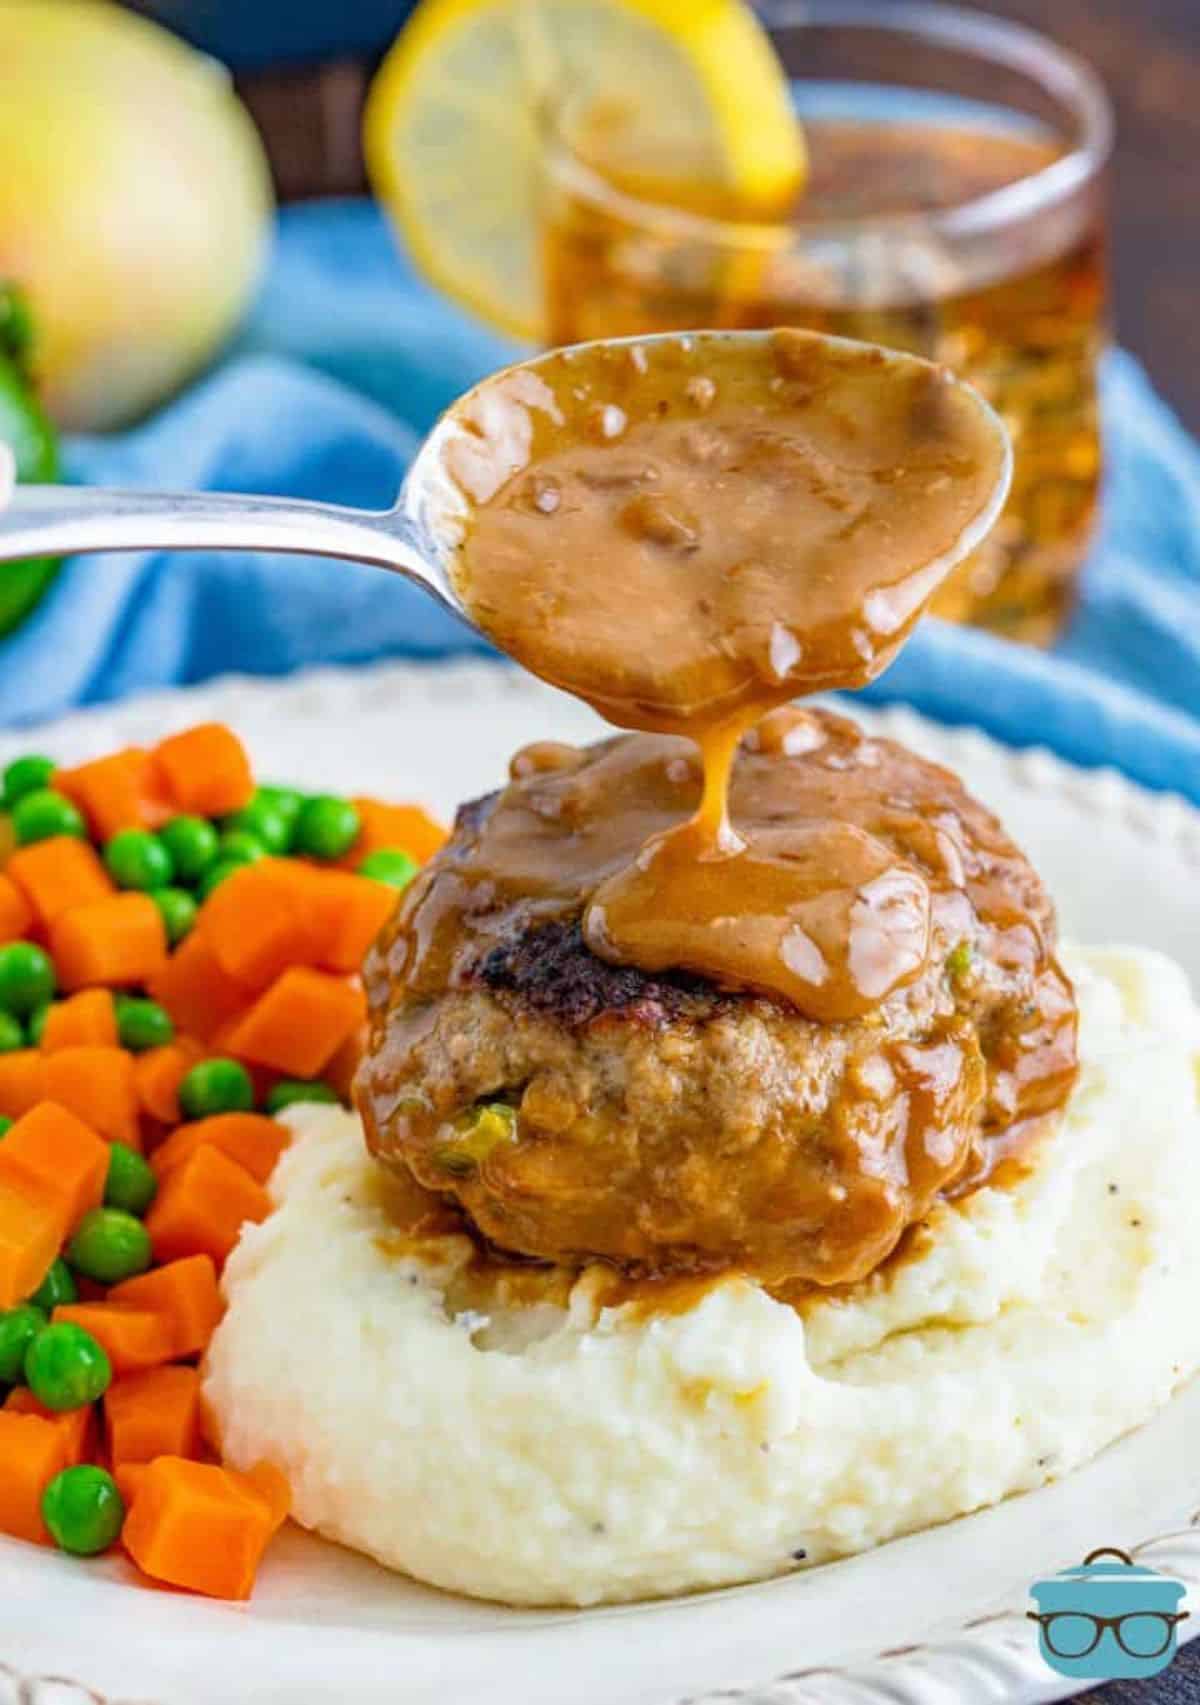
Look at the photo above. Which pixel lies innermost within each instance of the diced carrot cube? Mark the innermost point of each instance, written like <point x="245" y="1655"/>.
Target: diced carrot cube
<point x="31" y="1230"/>
<point x="130" y="1478"/>
<point x="16" y="914"/>
<point x="32" y="1452"/>
<point x="88" y="1019"/>
<point x="199" y="996"/>
<point x="133" y="1338"/>
<point x="22" y="1401"/>
<point x="156" y="1413"/>
<point x="251" y="1139"/>
<point x="117" y="941"/>
<point x="98" y="1086"/>
<point x="348" y="912"/>
<point x="299" y="1023"/>
<point x="59" y="873"/>
<point x="206" y="769"/>
<point x="22" y="1081"/>
<point x="263" y="1079"/>
<point x="183" y="1292"/>
<point x="210" y="1429"/>
<point x="202" y="1205"/>
<point x="77" y="1426"/>
<point x="260" y="920"/>
<point x="272" y="1485"/>
<point x="124" y="790"/>
<point x="199" y="1526"/>
<point x="218" y="1043"/>
<point x="55" y="1155"/>
<point x="407" y="828"/>
<point x="158" y="1073"/>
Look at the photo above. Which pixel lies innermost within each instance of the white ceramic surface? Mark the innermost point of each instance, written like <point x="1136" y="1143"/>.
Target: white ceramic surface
<point x="936" y="1619"/>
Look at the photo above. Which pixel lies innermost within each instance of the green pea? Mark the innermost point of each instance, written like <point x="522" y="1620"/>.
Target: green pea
<point x="41" y="813"/>
<point x="242" y="847"/>
<point x="217" y="873"/>
<point x="266" y="822"/>
<point x="24" y="775"/>
<point x="328" y="826"/>
<point x="83" y="1510"/>
<point x="130" y="1184"/>
<point x="36" y="1026"/>
<point x="138" y="859"/>
<point x="26" y="977"/>
<point x="289" y="801"/>
<point x="216" y="1086"/>
<point x="142" y="1024"/>
<point x="57" y="1287"/>
<point x="65" y="1367"/>
<point x="192" y="844"/>
<point x="109" y="1245"/>
<point x="289" y="1091"/>
<point x="11" y="1034"/>
<point x="391" y="865"/>
<point x="178" y="911"/>
<point x="6" y="1125"/>
<point x="18" y="1328"/>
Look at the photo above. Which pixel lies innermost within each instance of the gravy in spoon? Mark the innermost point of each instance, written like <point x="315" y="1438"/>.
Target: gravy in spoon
<point x="688" y="532"/>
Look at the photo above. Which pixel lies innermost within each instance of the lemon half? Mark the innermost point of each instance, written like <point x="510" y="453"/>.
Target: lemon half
<point x="452" y="133"/>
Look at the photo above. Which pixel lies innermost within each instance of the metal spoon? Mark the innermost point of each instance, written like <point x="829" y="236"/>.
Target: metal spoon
<point x="418" y="538"/>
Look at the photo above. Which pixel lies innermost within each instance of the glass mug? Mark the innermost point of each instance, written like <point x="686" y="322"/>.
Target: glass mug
<point x="954" y="208"/>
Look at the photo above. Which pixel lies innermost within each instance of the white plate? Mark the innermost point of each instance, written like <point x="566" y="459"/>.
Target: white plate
<point x="935" y="1619"/>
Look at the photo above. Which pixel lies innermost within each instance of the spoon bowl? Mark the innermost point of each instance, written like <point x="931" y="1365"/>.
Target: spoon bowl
<point x="419" y="537"/>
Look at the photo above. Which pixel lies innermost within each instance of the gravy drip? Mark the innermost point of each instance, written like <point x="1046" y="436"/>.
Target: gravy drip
<point x="688" y="534"/>
<point x="658" y="1124"/>
<point x="575" y="819"/>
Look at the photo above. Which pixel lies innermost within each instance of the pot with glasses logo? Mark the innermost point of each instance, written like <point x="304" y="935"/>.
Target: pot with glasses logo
<point x="1109" y="1618"/>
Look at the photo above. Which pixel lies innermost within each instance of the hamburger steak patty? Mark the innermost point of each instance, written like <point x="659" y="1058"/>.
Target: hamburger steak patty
<point x="579" y="1110"/>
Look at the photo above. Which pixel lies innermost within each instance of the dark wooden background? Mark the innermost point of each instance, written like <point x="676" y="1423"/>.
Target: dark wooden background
<point x="1148" y="52"/>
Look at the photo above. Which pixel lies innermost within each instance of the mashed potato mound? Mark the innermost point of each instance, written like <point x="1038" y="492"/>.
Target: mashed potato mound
<point x="582" y="1454"/>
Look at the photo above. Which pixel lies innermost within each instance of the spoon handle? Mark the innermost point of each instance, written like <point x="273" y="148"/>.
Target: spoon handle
<point x="47" y="520"/>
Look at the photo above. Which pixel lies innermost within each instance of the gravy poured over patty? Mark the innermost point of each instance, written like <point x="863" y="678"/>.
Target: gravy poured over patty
<point x="740" y="989"/>
<point x="692" y="533"/>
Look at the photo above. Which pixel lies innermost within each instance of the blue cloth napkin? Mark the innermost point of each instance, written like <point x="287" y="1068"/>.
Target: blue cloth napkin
<point x="348" y="359"/>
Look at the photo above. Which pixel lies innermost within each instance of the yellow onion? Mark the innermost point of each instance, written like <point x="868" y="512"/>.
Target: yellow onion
<point x="135" y="204"/>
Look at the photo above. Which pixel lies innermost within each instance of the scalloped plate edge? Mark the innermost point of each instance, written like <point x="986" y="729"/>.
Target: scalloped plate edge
<point x="988" y="1659"/>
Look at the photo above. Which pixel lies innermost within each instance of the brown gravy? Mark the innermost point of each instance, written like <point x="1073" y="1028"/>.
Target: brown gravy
<point x="426" y="1227"/>
<point x="847" y="885"/>
<point x="743" y="990"/>
<point x="687" y="534"/>
<point x="862" y="1118"/>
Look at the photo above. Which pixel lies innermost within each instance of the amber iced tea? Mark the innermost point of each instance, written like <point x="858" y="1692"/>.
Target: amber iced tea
<point x="976" y="240"/>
